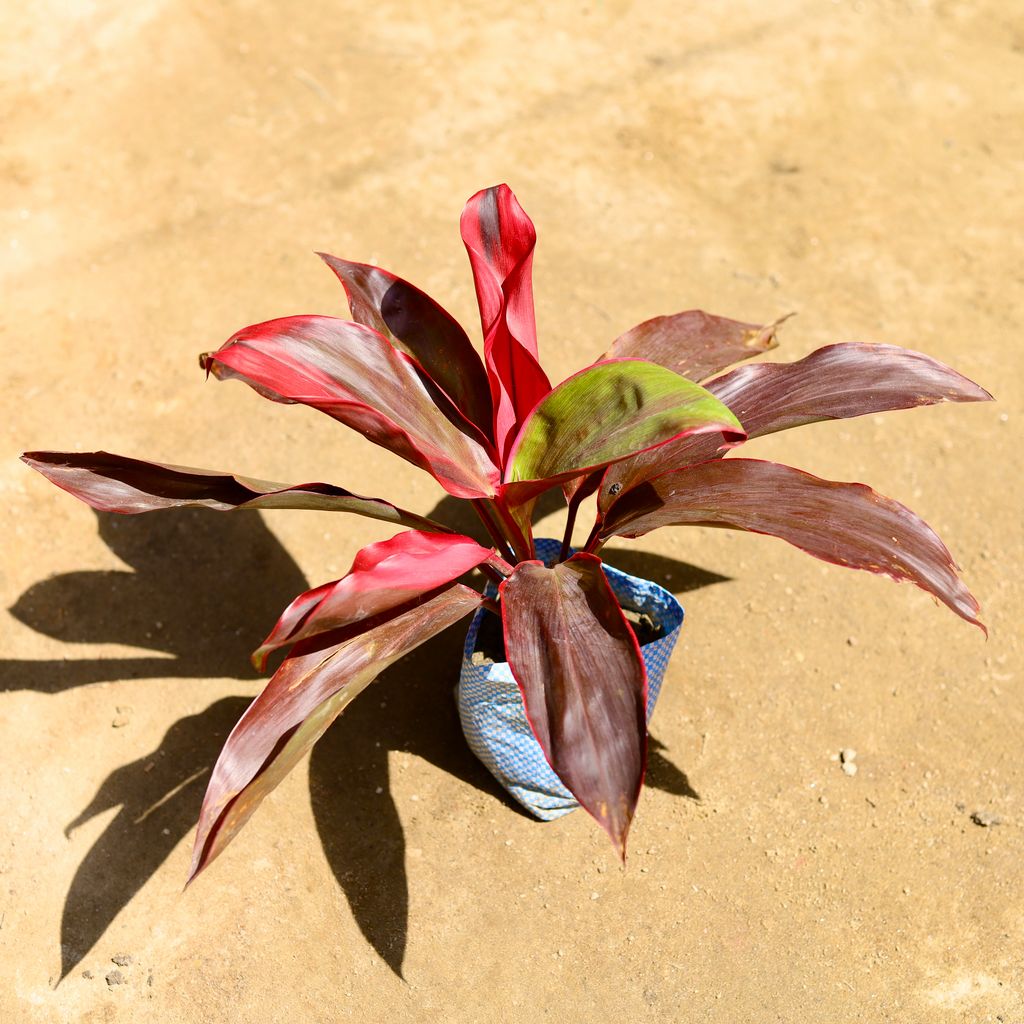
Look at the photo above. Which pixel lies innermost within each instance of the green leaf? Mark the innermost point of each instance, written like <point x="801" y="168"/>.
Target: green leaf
<point x="610" y="411"/>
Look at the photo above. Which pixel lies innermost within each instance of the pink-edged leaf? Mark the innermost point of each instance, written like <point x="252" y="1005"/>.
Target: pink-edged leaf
<point x="607" y="412"/>
<point x="583" y="682"/>
<point x="358" y="377"/>
<point x="383" y="576"/>
<point x="694" y="343"/>
<point x="842" y="523"/>
<point x="308" y="692"/>
<point x="835" y="382"/>
<point x="415" y="323"/>
<point x="115" y="483"/>
<point x="839" y="382"/>
<point x="500" y="239"/>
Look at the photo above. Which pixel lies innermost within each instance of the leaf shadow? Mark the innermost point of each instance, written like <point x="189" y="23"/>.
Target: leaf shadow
<point x="203" y="591"/>
<point x="158" y="796"/>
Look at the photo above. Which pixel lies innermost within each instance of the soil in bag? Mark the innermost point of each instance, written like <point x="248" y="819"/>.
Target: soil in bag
<point x="490" y="642"/>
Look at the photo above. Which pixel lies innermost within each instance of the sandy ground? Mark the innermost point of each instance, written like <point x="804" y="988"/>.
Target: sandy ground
<point x="167" y="170"/>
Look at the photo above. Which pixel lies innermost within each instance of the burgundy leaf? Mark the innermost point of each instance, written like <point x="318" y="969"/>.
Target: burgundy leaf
<point x="846" y="524"/>
<point x="583" y="682"/>
<point x="839" y="382"/>
<point x="415" y="323"/>
<point x="500" y="239"/>
<point x="680" y="452"/>
<point x="695" y="344"/>
<point x="307" y="693"/>
<point x="835" y="382"/>
<point x="383" y="576"/>
<point x="356" y="376"/>
<point x="114" y="483"/>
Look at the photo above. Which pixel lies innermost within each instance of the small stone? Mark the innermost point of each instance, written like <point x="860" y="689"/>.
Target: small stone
<point x="595" y="895"/>
<point x="87" y="974"/>
<point x="986" y="819"/>
<point x="847" y="754"/>
<point x="121" y="960"/>
<point x="115" y="978"/>
<point x="823" y="800"/>
<point x="122" y="717"/>
<point x="961" y="806"/>
<point x="849" y="768"/>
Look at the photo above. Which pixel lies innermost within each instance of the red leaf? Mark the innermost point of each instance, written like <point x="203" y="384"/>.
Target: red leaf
<point x="416" y="324"/>
<point x="694" y="343"/>
<point x="115" y="483"/>
<point x="308" y="692"/>
<point x="356" y="376"/>
<point x="383" y="576"/>
<point x="835" y="382"/>
<point x="583" y="682"/>
<point x="500" y="239"/>
<point x="846" y="524"/>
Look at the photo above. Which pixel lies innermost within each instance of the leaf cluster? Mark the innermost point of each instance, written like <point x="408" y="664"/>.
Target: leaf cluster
<point x="649" y="430"/>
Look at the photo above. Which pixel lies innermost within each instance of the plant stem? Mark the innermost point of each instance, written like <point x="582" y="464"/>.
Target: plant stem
<point x="492" y="572"/>
<point x="521" y="547"/>
<point x="594" y="541"/>
<point x="504" y="549"/>
<point x="491" y="605"/>
<point x="574" y="507"/>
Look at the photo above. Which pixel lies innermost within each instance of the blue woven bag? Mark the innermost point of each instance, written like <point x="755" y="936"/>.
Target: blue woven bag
<point x="491" y="707"/>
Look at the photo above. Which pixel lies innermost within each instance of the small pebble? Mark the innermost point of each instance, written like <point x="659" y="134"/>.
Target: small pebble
<point x="847" y="754"/>
<point x="121" y="718"/>
<point x="121" y="960"/>
<point x="115" y="978"/>
<point x="849" y="768"/>
<point x="86" y="974"/>
<point x="595" y="895"/>
<point x="986" y="819"/>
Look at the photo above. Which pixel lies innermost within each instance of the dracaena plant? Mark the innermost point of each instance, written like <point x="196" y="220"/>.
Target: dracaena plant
<point x="636" y="428"/>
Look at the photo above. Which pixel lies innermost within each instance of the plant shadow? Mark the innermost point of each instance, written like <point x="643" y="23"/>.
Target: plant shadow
<point x="203" y="591"/>
<point x="159" y="797"/>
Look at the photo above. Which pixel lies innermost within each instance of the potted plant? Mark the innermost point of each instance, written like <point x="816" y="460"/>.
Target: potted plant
<point x="636" y="430"/>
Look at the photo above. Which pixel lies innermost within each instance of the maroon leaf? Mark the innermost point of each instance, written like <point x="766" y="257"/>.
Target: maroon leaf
<point x="583" y="682"/>
<point x="695" y="344"/>
<point x="355" y="375"/>
<point x="839" y="382"/>
<point x="415" y="323"/>
<point x="114" y="483"/>
<point x="307" y="693"/>
<point x="383" y="576"/>
<point x="500" y="238"/>
<point x="835" y="382"/>
<point x="846" y="524"/>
